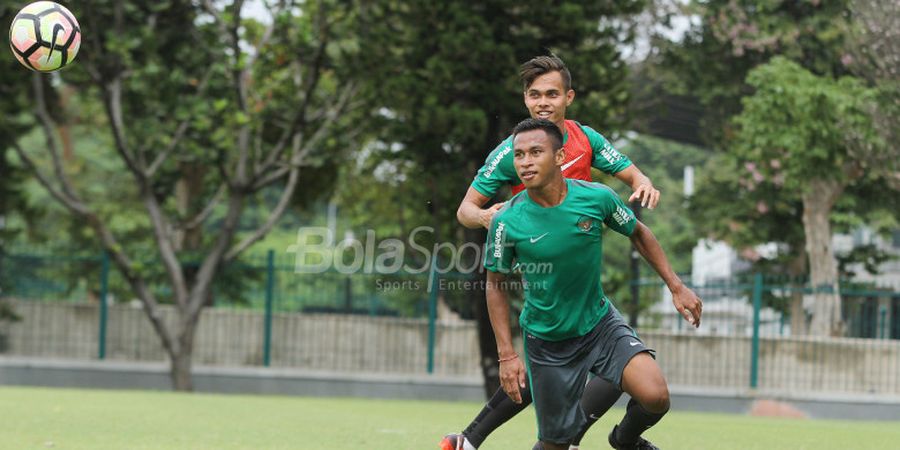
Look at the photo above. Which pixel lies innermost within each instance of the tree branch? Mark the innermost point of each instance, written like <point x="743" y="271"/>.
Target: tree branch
<point x="180" y="130"/>
<point x="73" y="204"/>
<point x="276" y="214"/>
<point x="49" y="127"/>
<point x="207" y="210"/>
<point x="272" y="177"/>
<point x="331" y="116"/>
<point x="166" y="249"/>
<point x="300" y="116"/>
<point x="112" y="101"/>
<point x="214" y="258"/>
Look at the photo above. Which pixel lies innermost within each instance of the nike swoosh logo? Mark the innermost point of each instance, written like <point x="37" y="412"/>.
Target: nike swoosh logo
<point x="535" y="239"/>
<point x="56" y="30"/>
<point x="569" y="164"/>
<point x="634" y="343"/>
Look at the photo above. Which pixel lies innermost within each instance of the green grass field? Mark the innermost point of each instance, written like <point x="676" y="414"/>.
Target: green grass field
<point x="37" y="418"/>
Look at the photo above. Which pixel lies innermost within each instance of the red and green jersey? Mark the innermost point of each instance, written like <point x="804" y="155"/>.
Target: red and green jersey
<point x="584" y="147"/>
<point x="558" y="251"/>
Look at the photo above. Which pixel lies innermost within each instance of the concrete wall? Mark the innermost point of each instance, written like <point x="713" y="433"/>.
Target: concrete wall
<point x="234" y="337"/>
<point x="378" y="345"/>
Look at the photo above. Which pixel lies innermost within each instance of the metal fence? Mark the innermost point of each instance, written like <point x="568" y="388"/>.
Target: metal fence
<point x="264" y="313"/>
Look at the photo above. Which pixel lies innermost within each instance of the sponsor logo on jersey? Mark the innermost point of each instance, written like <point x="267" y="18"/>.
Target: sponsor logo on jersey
<point x="622" y="215"/>
<point x="498" y="240"/>
<point x="496" y="161"/>
<point x="610" y="154"/>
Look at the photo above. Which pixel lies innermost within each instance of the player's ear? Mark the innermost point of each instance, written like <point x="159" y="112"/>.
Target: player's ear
<point x="570" y="95"/>
<point x="560" y="156"/>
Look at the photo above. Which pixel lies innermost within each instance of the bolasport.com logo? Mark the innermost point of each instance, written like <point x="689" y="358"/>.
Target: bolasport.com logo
<point x="316" y="251"/>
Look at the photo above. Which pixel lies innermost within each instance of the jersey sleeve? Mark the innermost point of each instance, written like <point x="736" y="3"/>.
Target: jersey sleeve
<point x="606" y="158"/>
<point x="498" y="170"/>
<point x="499" y="253"/>
<point x="616" y="214"/>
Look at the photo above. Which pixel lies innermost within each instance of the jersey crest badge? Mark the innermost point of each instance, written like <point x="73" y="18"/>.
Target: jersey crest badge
<point x="586" y="223"/>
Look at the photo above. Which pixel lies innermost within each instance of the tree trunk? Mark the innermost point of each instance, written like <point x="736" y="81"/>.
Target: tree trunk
<point x="180" y="371"/>
<point x="188" y="188"/>
<point x="182" y="378"/>
<point x="817" y="204"/>
<point x="797" y="268"/>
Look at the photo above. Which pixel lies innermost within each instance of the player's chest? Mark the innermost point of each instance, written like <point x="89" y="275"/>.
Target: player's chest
<point x="577" y="164"/>
<point x="556" y="234"/>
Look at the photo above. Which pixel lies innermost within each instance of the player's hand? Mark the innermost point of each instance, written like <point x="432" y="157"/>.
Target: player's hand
<point x="512" y="378"/>
<point x="688" y="305"/>
<point x="647" y="194"/>
<point x="487" y="215"/>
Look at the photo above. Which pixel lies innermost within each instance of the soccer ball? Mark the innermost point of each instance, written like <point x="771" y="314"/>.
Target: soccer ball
<point x="44" y="36"/>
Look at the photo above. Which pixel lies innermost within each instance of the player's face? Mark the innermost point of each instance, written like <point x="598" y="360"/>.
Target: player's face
<point x="547" y="98"/>
<point x="535" y="159"/>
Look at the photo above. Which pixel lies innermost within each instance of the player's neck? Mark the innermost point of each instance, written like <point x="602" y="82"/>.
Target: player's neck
<point x="551" y="194"/>
<point x="562" y="127"/>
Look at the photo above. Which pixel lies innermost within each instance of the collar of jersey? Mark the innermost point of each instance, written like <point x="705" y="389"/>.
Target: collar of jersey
<point x="549" y="208"/>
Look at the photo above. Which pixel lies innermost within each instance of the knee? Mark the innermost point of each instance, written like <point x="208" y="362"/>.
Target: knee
<point x="657" y="401"/>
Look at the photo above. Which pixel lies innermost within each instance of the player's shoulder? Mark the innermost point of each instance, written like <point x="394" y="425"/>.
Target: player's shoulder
<point x="591" y="189"/>
<point x="500" y="151"/>
<point x="511" y="210"/>
<point x="590" y="186"/>
<point x="513" y="206"/>
<point x="590" y="131"/>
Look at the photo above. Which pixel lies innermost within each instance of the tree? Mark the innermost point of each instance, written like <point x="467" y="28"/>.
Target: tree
<point x="737" y="203"/>
<point x="207" y="112"/>
<point x="814" y="135"/>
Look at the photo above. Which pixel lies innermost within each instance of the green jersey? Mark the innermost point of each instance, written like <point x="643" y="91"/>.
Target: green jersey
<point x="559" y="251"/>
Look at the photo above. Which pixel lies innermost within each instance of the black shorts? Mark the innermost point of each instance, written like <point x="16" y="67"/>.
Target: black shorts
<point x="558" y="371"/>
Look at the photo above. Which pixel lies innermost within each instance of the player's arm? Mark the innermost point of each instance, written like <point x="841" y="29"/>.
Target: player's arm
<point x="498" y="170"/>
<point x="686" y="301"/>
<point x="498" y="260"/>
<point x="471" y="212"/>
<point x="512" y="370"/>
<point x="607" y="159"/>
<point x="640" y="184"/>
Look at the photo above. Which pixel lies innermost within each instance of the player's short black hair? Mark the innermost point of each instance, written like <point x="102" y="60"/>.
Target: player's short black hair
<point x="541" y="65"/>
<point x="556" y="137"/>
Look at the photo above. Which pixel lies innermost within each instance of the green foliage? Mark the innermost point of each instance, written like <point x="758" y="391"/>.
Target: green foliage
<point x="734" y="36"/>
<point x="804" y="123"/>
<point x="12" y="123"/>
<point x="797" y="126"/>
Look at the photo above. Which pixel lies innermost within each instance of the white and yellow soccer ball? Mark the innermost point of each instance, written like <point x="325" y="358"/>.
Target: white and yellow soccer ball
<point x="45" y="36"/>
